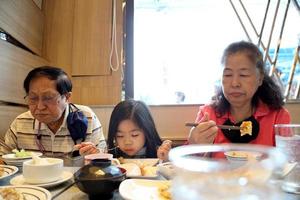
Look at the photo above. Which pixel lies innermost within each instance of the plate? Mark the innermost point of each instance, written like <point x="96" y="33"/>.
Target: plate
<point x="19" y="180"/>
<point x="12" y="156"/>
<point x="8" y="171"/>
<point x="136" y="189"/>
<point x="32" y="192"/>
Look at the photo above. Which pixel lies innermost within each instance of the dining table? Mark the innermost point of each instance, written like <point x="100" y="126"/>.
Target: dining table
<point x="65" y="191"/>
<point x="69" y="191"/>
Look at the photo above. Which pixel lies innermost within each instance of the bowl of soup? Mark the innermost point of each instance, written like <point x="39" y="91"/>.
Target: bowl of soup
<point x="42" y="170"/>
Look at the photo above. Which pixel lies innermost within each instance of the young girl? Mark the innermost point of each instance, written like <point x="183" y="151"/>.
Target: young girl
<point x="132" y="133"/>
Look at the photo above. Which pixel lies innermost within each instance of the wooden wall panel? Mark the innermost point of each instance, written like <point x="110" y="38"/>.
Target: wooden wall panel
<point x="92" y="36"/>
<point x="77" y="39"/>
<point x="7" y="115"/>
<point x="38" y="3"/>
<point x="15" y="63"/>
<point x="58" y="33"/>
<point x="97" y="90"/>
<point x="24" y="21"/>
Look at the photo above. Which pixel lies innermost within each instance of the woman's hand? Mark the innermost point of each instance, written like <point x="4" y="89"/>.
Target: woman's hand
<point x="86" y="148"/>
<point x="163" y="150"/>
<point x="205" y="132"/>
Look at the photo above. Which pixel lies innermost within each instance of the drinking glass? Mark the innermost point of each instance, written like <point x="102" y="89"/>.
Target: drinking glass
<point x="287" y="137"/>
<point x="204" y="172"/>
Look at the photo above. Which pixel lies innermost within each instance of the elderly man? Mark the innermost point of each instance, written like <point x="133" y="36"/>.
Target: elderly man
<point x="53" y="125"/>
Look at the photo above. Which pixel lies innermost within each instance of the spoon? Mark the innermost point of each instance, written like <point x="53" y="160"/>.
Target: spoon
<point x="288" y="168"/>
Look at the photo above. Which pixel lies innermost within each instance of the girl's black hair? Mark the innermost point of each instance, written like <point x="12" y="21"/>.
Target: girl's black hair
<point x="63" y="82"/>
<point x="269" y="92"/>
<point x="138" y="112"/>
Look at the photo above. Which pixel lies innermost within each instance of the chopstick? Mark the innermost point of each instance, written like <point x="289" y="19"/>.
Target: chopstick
<point x="219" y="126"/>
<point x="3" y="144"/>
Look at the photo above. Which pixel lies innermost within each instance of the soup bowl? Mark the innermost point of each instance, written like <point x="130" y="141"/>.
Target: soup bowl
<point x="43" y="170"/>
<point x="99" y="178"/>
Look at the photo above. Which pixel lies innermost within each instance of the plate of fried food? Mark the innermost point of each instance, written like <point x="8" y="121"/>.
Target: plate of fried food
<point x="140" y="168"/>
<point x="24" y="193"/>
<point x="136" y="189"/>
<point x="7" y="170"/>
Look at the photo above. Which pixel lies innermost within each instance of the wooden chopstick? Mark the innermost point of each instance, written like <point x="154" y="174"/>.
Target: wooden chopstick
<point x="2" y="143"/>
<point x="219" y="126"/>
<point x="229" y="127"/>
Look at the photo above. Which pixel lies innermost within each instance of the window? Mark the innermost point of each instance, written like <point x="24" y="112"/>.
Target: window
<point x="178" y="45"/>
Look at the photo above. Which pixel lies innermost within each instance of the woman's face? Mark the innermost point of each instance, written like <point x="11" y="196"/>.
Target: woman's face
<point x="130" y="138"/>
<point x="240" y="79"/>
<point x="44" y="101"/>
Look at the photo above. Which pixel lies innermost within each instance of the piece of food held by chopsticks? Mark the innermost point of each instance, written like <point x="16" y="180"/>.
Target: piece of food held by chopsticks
<point x="245" y="128"/>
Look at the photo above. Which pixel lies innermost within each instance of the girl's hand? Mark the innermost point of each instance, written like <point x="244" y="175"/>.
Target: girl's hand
<point x="205" y="132"/>
<point x="86" y="148"/>
<point x="163" y="150"/>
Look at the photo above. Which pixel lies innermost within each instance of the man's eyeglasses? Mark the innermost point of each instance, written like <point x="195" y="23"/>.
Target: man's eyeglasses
<point x="46" y="100"/>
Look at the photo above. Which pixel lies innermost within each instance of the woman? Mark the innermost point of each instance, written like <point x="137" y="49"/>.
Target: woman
<point x="247" y="94"/>
<point x="53" y="125"/>
<point x="132" y="133"/>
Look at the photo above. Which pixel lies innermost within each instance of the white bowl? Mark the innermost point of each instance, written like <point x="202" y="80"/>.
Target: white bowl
<point x="49" y="170"/>
<point x="167" y="169"/>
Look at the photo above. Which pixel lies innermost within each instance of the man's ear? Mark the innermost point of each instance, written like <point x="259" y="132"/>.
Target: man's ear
<point x="68" y="96"/>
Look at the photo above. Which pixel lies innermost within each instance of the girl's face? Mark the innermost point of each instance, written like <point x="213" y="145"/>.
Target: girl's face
<point x="130" y="138"/>
<point x="240" y="79"/>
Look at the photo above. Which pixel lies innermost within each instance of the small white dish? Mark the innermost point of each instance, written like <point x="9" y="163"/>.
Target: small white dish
<point x="136" y="189"/>
<point x="8" y="171"/>
<point x="166" y="169"/>
<point x="12" y="156"/>
<point x="32" y="192"/>
<point x="19" y="180"/>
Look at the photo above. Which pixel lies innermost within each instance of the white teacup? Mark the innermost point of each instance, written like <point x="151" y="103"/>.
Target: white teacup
<point x="44" y="170"/>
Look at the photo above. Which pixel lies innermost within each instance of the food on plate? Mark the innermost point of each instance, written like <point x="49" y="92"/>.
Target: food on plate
<point x="132" y="169"/>
<point x="11" y="194"/>
<point x="243" y="154"/>
<point x="138" y="168"/>
<point x="21" y="154"/>
<point x="164" y="190"/>
<point x="1" y="171"/>
<point x="121" y="160"/>
<point x="149" y="171"/>
<point x="246" y="128"/>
